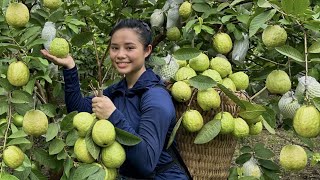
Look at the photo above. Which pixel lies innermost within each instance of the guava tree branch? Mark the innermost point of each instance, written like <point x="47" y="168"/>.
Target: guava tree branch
<point x="8" y="127"/>
<point x="41" y="95"/>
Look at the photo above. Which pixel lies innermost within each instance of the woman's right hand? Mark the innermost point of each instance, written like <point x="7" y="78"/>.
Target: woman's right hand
<point x="66" y="62"/>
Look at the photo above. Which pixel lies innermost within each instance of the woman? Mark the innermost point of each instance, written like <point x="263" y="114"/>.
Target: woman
<point x="136" y="104"/>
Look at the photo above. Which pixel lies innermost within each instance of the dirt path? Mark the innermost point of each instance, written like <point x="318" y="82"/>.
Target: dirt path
<point x="275" y="143"/>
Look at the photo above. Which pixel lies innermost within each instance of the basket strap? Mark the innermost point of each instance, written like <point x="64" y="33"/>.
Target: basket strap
<point x="173" y="151"/>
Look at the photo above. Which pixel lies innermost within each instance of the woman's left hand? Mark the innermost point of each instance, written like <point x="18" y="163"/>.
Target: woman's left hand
<point x="103" y="107"/>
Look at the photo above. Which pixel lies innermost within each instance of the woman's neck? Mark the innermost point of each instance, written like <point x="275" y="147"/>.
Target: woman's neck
<point x="133" y="78"/>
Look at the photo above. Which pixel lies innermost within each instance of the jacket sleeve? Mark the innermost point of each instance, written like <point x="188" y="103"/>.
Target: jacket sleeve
<point x="73" y="97"/>
<point x="157" y="113"/>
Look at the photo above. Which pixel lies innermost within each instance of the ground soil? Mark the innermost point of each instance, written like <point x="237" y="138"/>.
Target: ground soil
<point x="275" y="143"/>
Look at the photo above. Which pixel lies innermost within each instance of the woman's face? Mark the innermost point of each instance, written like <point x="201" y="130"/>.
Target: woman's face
<point x="127" y="52"/>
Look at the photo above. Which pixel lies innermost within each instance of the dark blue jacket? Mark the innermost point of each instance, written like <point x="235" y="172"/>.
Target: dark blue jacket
<point x="145" y="111"/>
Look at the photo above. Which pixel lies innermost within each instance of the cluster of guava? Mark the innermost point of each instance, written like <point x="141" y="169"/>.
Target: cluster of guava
<point x="17" y="16"/>
<point x="103" y="134"/>
<point x="305" y="116"/>
<point x="218" y="69"/>
<point x="33" y="123"/>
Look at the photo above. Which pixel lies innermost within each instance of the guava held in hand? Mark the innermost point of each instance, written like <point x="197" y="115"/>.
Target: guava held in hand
<point x="59" y="47"/>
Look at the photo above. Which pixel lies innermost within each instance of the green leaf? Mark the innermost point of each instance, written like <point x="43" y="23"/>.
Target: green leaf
<point x="174" y="131"/>
<point x="30" y="32"/>
<point x="21" y="140"/>
<point x="72" y="137"/>
<point x="315" y="60"/>
<point x="246" y="149"/>
<point x="259" y="20"/>
<point x="233" y="173"/>
<point x="314" y="48"/>
<point x="9" y="46"/>
<point x="45" y="159"/>
<point x="93" y="149"/>
<point x="37" y="175"/>
<point x="3" y="107"/>
<point x="236" y="2"/>
<point x="36" y="42"/>
<point x="295" y="7"/>
<point x="263" y="4"/>
<point x="49" y="109"/>
<point x="85" y="170"/>
<point x="208" y="132"/>
<point x="30" y="86"/>
<point x="52" y="131"/>
<point x="270" y="117"/>
<point x="290" y="52"/>
<point x="251" y="111"/>
<point x="18" y="134"/>
<point x="23" y="175"/>
<point x="62" y="155"/>
<point x="243" y="158"/>
<point x="5" y="84"/>
<point x="81" y="38"/>
<point x="67" y="166"/>
<point x="56" y="15"/>
<point x="56" y="146"/>
<point x="202" y="82"/>
<point x="100" y="174"/>
<point x="231" y="95"/>
<point x="6" y="176"/>
<point x="186" y="53"/>
<point x="267" y="174"/>
<point x="19" y="96"/>
<point x="262" y="152"/>
<point x="126" y="138"/>
<point x="316" y="102"/>
<point x="269" y="164"/>
<point x="268" y="127"/>
<point x="222" y="6"/>
<point x="201" y="7"/>
<point x="67" y="121"/>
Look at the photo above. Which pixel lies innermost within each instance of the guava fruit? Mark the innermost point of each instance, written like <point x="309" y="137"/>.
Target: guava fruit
<point x="52" y="4"/>
<point x="293" y="158"/>
<point x="184" y="73"/>
<point x="13" y="156"/>
<point x="208" y="99"/>
<point x="103" y="133"/>
<point x="222" y="43"/>
<point x="181" y="91"/>
<point x="274" y="36"/>
<point x="278" y="82"/>
<point x="113" y="156"/>
<point x="306" y="121"/>
<point x="59" y="47"/>
<point x="81" y="151"/>
<point x="173" y="34"/>
<point x="35" y="123"/>
<point x="221" y="65"/>
<point x="18" y="73"/>
<point x="82" y="123"/>
<point x="185" y="9"/>
<point x="240" y="79"/>
<point x="227" y="122"/>
<point x="17" y="15"/>
<point x="241" y="128"/>
<point x="192" y="120"/>
<point x="199" y="63"/>
<point x="213" y="74"/>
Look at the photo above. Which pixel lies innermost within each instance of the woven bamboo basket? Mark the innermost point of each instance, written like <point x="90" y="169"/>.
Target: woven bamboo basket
<point x="213" y="159"/>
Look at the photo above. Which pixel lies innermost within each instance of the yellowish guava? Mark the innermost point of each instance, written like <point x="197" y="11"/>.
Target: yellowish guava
<point x="227" y="122"/>
<point x="306" y="121"/>
<point x="278" y="82"/>
<point x="274" y="36"/>
<point x="17" y="15"/>
<point x="103" y="133"/>
<point x="222" y="43"/>
<point x="81" y="151"/>
<point x="35" y="123"/>
<point x="18" y="73"/>
<point x="82" y="123"/>
<point x="240" y="79"/>
<point x="181" y="91"/>
<point x="293" y="158"/>
<point x="113" y="156"/>
<point x="59" y="47"/>
<point x="192" y="120"/>
<point x="208" y="99"/>
<point x="13" y="156"/>
<point x="221" y="65"/>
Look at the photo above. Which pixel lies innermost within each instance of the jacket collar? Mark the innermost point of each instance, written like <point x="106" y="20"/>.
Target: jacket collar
<point x="147" y="80"/>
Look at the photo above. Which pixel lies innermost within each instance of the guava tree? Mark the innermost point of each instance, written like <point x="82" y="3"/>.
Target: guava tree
<point x="180" y="34"/>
